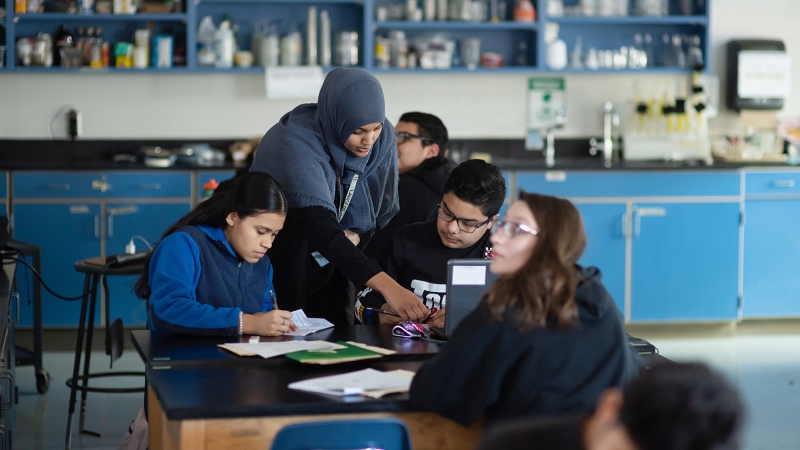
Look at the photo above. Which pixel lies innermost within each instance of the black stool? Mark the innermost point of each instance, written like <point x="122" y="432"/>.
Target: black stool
<point x="96" y="270"/>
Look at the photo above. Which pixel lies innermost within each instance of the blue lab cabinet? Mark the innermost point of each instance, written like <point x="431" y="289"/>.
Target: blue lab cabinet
<point x="771" y="244"/>
<point x="78" y="215"/>
<point x="666" y="242"/>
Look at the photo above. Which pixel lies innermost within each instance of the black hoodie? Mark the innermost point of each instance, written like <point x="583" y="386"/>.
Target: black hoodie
<point x="419" y="190"/>
<point x="493" y="369"/>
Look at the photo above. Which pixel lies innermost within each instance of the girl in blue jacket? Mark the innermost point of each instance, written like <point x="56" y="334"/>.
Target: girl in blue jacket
<point x="210" y="274"/>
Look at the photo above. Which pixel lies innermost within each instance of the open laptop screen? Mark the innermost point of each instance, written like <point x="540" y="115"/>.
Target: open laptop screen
<point x="467" y="281"/>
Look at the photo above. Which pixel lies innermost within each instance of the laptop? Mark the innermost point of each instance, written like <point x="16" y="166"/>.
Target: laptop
<point x="467" y="281"/>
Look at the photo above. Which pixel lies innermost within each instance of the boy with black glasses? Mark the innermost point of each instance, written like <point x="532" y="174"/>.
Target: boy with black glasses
<point x="417" y="258"/>
<point x="421" y="146"/>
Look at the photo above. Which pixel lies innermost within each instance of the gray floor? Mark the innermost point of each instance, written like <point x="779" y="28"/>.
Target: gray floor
<point x="765" y="365"/>
<point x="42" y="419"/>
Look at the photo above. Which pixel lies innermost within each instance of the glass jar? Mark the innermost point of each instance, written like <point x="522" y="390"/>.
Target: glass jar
<point x="347" y="48"/>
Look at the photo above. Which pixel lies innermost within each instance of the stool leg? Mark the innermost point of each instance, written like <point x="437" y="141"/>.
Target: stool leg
<point x="88" y="356"/>
<point x="74" y="385"/>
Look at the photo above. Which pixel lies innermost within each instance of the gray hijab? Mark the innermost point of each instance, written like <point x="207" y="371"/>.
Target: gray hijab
<point x="305" y="152"/>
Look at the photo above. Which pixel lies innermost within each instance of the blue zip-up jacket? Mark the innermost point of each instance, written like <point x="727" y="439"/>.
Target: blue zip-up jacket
<point x="199" y="286"/>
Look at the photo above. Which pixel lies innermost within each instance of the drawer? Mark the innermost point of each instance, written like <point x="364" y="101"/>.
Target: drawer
<point x="56" y="185"/>
<point x="640" y="184"/>
<point x="773" y="182"/>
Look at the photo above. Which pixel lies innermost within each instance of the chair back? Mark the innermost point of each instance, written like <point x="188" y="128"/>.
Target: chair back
<point x="384" y="433"/>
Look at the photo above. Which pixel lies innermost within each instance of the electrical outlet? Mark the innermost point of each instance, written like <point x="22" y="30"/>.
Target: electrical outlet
<point x="74" y="124"/>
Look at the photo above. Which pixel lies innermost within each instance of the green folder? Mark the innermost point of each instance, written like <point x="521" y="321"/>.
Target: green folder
<point x="350" y="353"/>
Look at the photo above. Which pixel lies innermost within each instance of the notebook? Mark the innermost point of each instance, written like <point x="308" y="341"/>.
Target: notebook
<point x="467" y="281"/>
<point x="350" y="351"/>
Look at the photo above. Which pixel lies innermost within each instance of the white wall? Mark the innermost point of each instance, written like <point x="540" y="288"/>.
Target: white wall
<point x="233" y="106"/>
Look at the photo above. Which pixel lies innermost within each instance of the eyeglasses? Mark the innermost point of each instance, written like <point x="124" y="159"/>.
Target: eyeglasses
<point x="403" y="136"/>
<point x="512" y="229"/>
<point x="465" y="225"/>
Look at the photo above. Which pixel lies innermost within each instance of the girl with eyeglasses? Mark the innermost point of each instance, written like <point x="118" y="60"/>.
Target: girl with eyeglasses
<point x="337" y="163"/>
<point x="546" y="339"/>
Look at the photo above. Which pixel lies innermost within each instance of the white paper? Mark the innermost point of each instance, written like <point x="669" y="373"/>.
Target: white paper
<point x="469" y="275"/>
<point x="303" y="82"/>
<point x="270" y="349"/>
<point x="355" y="383"/>
<point x="545" y="97"/>
<point x="307" y="325"/>
<point x="764" y="74"/>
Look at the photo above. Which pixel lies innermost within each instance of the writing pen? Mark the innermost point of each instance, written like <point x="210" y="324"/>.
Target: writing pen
<point x="274" y="300"/>
<point x="382" y="311"/>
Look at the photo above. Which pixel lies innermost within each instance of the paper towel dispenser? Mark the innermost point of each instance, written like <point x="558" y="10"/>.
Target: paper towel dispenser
<point x="758" y="74"/>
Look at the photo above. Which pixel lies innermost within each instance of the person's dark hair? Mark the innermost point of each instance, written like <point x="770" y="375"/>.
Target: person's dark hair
<point x="248" y="195"/>
<point x="430" y="127"/>
<point x="682" y="407"/>
<point x="543" y="291"/>
<point x="478" y="183"/>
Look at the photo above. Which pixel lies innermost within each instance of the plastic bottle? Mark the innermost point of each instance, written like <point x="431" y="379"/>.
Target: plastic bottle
<point x="224" y="47"/>
<point x="205" y="42"/>
<point x="524" y="12"/>
<point x="291" y="48"/>
<point x="270" y="48"/>
<point x="208" y="189"/>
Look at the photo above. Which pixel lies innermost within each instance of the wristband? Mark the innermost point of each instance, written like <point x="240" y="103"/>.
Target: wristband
<point x="240" y="323"/>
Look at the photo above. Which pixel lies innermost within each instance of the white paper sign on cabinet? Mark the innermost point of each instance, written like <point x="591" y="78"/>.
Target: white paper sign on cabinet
<point x="293" y="82"/>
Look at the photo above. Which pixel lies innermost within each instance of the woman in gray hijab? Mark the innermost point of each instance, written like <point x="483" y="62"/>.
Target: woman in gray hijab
<point x="336" y="160"/>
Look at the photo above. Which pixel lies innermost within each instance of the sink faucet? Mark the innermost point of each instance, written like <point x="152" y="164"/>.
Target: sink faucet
<point x="550" y="150"/>
<point x="610" y="121"/>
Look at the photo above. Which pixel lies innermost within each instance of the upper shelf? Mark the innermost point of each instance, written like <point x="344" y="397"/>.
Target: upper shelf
<point x="293" y="2"/>
<point x="631" y="20"/>
<point x="439" y="25"/>
<point x="66" y="17"/>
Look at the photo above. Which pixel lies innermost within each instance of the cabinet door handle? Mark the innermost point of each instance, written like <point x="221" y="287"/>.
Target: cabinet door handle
<point x="100" y="185"/>
<point x="625" y="230"/>
<point x="97" y="226"/>
<point x="120" y="210"/>
<point x="656" y="211"/>
<point x="79" y="209"/>
<point x="149" y="186"/>
<point x="651" y="211"/>
<point x="129" y="209"/>
<point x="783" y="183"/>
<point x="57" y="187"/>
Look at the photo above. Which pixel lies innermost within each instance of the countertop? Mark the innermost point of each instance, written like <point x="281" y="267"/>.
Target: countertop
<point x="508" y="154"/>
<point x="533" y="163"/>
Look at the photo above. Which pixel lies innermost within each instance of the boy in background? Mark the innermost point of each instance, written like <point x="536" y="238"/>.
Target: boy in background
<point x="421" y="146"/>
<point x="417" y="258"/>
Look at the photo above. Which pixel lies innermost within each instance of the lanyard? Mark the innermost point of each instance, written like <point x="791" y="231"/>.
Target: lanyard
<point x="348" y="197"/>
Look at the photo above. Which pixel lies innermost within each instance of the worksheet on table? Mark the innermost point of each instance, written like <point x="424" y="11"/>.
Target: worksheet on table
<point x="271" y="349"/>
<point x="361" y="382"/>
<point x="307" y="325"/>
